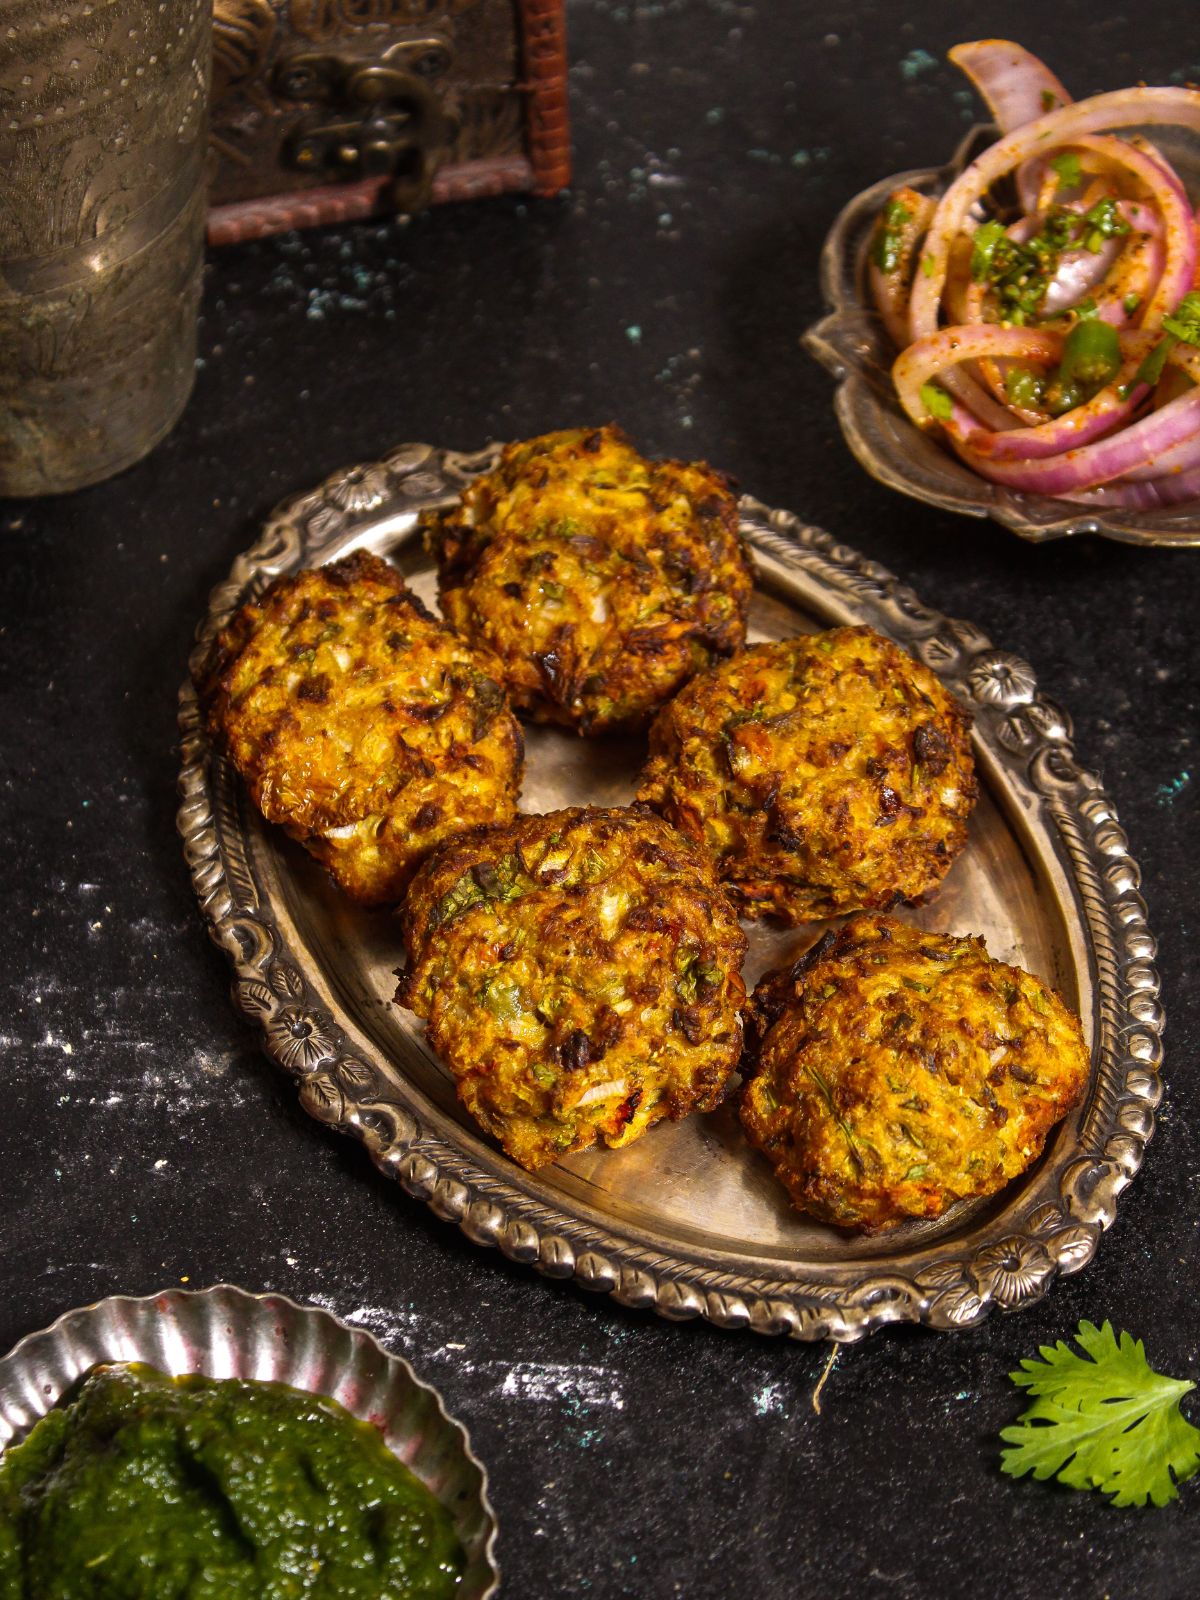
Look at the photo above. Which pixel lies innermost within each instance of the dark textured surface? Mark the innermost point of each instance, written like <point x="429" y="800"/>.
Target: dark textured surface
<point x="143" y="1141"/>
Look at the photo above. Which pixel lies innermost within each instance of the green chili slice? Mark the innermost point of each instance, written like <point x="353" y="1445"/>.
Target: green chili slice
<point x="1091" y="355"/>
<point x="1068" y="169"/>
<point x="1024" y="388"/>
<point x="983" y="249"/>
<point x="889" y="241"/>
<point x="1151" y="369"/>
<point x="1103" y="222"/>
<point x="937" y="402"/>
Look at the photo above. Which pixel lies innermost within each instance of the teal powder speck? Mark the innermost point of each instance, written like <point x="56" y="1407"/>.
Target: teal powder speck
<point x="915" y="63"/>
<point x="1168" y="793"/>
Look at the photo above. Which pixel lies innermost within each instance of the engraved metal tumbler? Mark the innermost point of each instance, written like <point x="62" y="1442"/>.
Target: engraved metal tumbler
<point x="103" y="109"/>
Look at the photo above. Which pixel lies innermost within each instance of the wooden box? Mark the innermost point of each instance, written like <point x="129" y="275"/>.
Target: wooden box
<point x="333" y="110"/>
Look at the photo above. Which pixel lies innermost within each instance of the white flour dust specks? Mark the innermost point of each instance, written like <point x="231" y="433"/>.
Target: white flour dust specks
<point x="391" y="1325"/>
<point x="589" y="1386"/>
<point x="580" y="1388"/>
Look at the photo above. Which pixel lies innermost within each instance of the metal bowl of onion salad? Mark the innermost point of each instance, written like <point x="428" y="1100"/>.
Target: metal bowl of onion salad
<point x="1018" y="334"/>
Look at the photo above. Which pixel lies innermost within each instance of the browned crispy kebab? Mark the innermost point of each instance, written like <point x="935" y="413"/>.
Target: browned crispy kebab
<point x="825" y="773"/>
<point x="364" y="726"/>
<point x="895" y="1072"/>
<point x="579" y="975"/>
<point x="601" y="580"/>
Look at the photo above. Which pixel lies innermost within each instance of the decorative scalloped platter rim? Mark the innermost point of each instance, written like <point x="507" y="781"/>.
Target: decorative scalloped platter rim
<point x="849" y="342"/>
<point x="327" y="1029"/>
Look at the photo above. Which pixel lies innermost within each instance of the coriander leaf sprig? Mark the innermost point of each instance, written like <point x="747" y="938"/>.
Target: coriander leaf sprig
<point x="1103" y="1420"/>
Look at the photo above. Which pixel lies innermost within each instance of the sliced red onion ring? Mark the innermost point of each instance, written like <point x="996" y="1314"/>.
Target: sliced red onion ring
<point x="1112" y="457"/>
<point x="1181" y="457"/>
<point x="1174" y="211"/>
<point x="1123" y="267"/>
<point x="1079" y="273"/>
<point x="1185" y="455"/>
<point x="890" y="290"/>
<point x="1168" y="490"/>
<point x="1016" y="86"/>
<point x="931" y="358"/>
<point x="1122" y="108"/>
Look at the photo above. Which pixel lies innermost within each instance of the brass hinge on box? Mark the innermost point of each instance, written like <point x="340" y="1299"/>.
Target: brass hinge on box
<point x="334" y="110"/>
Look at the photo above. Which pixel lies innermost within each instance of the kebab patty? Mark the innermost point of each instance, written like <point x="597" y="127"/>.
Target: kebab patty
<point x="896" y="1072"/>
<point x="363" y="725"/>
<point x="825" y="773"/>
<point x="601" y="580"/>
<point x="579" y="975"/>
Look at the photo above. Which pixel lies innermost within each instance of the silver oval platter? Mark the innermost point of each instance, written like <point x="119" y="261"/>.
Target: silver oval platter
<point x="224" y="1332"/>
<point x="689" y="1221"/>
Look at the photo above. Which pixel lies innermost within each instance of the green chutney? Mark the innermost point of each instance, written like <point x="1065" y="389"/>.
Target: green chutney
<point x="147" y="1487"/>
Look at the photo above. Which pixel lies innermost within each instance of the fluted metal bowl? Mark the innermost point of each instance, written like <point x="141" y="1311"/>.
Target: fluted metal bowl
<point x="852" y="343"/>
<point x="224" y="1332"/>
